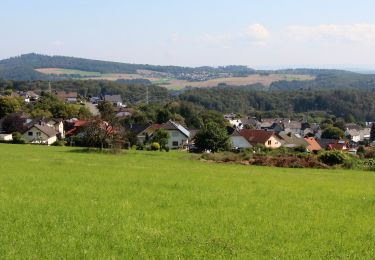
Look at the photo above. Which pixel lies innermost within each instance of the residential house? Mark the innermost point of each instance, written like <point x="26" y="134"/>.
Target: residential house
<point x="55" y="123"/>
<point x="269" y="139"/>
<point x="357" y="133"/>
<point x="313" y="145"/>
<point x="74" y="127"/>
<point x="179" y="135"/>
<point x="293" y="127"/>
<point x="250" y="123"/>
<point x="238" y="141"/>
<point x="67" y="97"/>
<point x="291" y="140"/>
<point x="41" y="134"/>
<point x="339" y="145"/>
<point x="145" y="132"/>
<point x="116" y="100"/>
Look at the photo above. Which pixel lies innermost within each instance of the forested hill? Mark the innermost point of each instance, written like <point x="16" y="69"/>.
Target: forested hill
<point x="23" y="67"/>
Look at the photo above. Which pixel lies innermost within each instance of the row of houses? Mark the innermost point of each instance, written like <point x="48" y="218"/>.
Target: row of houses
<point x="353" y="132"/>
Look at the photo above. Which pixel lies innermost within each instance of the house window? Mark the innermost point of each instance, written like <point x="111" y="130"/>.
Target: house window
<point x="175" y="143"/>
<point x="269" y="142"/>
<point x="30" y="133"/>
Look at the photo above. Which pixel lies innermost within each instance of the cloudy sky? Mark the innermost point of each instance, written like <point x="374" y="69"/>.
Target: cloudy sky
<point x="267" y="33"/>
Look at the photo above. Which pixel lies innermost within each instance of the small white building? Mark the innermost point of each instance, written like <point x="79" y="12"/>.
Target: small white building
<point x="179" y="135"/>
<point x="41" y="134"/>
<point x="6" y="137"/>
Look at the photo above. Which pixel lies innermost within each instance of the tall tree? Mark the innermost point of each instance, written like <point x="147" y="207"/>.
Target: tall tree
<point x="212" y="137"/>
<point x="9" y="105"/>
<point x="106" y="110"/>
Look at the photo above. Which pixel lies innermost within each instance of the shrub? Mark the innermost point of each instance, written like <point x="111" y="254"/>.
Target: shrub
<point x="166" y="148"/>
<point x="59" y="143"/>
<point x="155" y="146"/>
<point x="18" y="139"/>
<point x="370" y="154"/>
<point x="332" y="157"/>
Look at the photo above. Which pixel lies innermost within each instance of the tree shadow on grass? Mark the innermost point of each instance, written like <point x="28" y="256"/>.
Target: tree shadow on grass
<point x="86" y="150"/>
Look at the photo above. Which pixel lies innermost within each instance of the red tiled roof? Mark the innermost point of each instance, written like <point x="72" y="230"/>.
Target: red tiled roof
<point x="256" y="136"/>
<point x="313" y="144"/>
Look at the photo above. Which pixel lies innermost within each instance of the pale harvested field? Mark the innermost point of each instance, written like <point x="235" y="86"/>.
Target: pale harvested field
<point x="170" y="83"/>
<point x="240" y="81"/>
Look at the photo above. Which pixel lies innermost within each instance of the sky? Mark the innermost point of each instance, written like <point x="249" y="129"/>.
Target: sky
<point x="256" y="33"/>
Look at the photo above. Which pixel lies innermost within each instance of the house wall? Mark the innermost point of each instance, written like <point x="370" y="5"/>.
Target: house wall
<point x="176" y="139"/>
<point x="273" y="142"/>
<point x="6" y="137"/>
<point x="38" y="137"/>
<point x="239" y="142"/>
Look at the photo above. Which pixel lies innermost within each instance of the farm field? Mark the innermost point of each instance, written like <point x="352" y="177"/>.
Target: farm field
<point x="59" y="202"/>
<point x="171" y="83"/>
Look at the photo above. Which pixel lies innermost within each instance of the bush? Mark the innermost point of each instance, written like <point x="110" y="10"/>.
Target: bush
<point x="59" y="143"/>
<point x="166" y="148"/>
<point x="332" y="157"/>
<point x="155" y="146"/>
<point x="370" y="154"/>
<point x="18" y="139"/>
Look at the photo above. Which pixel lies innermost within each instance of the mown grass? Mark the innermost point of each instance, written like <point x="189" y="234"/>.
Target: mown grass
<point x="57" y="203"/>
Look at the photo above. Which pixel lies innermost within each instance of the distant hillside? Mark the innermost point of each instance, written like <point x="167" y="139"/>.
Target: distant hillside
<point x="23" y="67"/>
<point x="42" y="67"/>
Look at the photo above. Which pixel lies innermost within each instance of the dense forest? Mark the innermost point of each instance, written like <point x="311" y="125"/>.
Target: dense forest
<point x="351" y="104"/>
<point x="131" y="93"/>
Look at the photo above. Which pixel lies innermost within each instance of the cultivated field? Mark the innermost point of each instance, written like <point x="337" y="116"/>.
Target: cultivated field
<point x="59" y="202"/>
<point x="171" y="83"/>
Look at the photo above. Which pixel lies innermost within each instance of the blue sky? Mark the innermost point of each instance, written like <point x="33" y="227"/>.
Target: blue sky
<point x="287" y="33"/>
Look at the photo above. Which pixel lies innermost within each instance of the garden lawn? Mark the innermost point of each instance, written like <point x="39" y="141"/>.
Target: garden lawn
<point x="58" y="202"/>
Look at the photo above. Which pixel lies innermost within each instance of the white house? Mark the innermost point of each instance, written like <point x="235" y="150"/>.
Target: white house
<point x="6" y="137"/>
<point x="41" y="134"/>
<point x="179" y="135"/>
<point x="58" y="125"/>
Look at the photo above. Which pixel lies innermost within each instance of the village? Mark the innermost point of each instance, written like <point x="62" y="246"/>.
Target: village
<point x="243" y="132"/>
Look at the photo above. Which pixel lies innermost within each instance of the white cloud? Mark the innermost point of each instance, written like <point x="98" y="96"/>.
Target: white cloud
<point x="257" y="33"/>
<point x="363" y="33"/>
<point x="254" y="34"/>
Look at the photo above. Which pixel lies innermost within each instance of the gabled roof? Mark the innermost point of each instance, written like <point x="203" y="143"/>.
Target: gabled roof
<point x="113" y="98"/>
<point x="257" y="136"/>
<point x="313" y="145"/>
<point x="171" y="125"/>
<point x="293" y="140"/>
<point x="49" y="131"/>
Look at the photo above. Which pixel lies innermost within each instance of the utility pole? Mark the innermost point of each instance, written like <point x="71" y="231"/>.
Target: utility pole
<point x="147" y="101"/>
<point x="49" y="87"/>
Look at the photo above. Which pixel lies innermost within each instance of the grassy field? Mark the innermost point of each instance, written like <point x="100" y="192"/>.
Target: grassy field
<point x="58" y="202"/>
<point x="170" y="83"/>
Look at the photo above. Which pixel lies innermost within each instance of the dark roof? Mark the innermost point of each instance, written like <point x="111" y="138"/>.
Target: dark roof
<point x="323" y="142"/>
<point x="257" y="136"/>
<point x="171" y="125"/>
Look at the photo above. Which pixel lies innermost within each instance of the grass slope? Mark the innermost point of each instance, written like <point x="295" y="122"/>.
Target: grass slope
<point x="60" y="203"/>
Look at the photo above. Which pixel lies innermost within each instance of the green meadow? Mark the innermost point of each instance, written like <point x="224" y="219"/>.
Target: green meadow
<point x="58" y="202"/>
